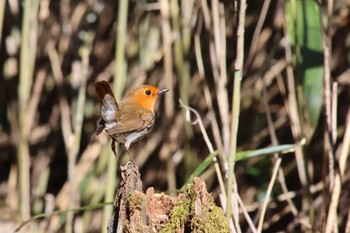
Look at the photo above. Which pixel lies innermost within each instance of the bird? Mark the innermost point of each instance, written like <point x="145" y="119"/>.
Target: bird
<point x="132" y="118"/>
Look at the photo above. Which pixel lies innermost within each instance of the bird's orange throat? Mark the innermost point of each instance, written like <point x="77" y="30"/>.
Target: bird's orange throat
<point x="145" y="103"/>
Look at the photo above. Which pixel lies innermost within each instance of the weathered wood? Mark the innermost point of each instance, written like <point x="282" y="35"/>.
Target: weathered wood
<point x="191" y="211"/>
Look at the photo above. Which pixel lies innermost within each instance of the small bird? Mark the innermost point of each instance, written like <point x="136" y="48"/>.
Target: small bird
<point x="132" y="118"/>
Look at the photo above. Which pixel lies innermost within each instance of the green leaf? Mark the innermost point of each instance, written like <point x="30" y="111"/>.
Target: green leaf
<point x="242" y="155"/>
<point x="304" y="29"/>
<point x="200" y="168"/>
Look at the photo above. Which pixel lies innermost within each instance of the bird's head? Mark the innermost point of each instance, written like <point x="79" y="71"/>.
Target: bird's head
<point x="145" y="96"/>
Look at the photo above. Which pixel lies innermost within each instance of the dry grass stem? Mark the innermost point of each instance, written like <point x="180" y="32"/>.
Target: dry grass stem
<point x="232" y="184"/>
<point x="256" y="35"/>
<point x="198" y="121"/>
<point x="241" y="72"/>
<point x="268" y="193"/>
<point x="246" y="215"/>
<point x="275" y="142"/>
<point x="27" y="64"/>
<point x="208" y="99"/>
<point x="336" y="191"/>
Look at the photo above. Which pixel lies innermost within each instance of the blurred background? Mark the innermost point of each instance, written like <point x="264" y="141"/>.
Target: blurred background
<point x="292" y="88"/>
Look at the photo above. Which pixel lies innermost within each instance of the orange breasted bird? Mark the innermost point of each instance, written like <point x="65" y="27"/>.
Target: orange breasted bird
<point x="132" y="118"/>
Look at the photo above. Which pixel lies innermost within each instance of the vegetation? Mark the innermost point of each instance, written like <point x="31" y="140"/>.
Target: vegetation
<point x="263" y="116"/>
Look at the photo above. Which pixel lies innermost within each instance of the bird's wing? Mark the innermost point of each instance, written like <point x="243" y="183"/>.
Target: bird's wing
<point x="132" y="121"/>
<point x="100" y="126"/>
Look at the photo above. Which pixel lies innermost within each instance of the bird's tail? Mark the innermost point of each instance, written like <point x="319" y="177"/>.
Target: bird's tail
<point x="102" y="88"/>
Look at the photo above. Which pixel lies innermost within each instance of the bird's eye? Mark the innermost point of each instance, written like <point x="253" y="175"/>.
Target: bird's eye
<point x="148" y="92"/>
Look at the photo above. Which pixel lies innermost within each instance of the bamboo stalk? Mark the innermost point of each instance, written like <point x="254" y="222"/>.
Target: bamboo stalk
<point x="27" y="62"/>
<point x="232" y="185"/>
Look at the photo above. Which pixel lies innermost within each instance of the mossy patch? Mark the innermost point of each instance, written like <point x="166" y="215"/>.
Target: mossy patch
<point x="196" y="209"/>
<point x="179" y="215"/>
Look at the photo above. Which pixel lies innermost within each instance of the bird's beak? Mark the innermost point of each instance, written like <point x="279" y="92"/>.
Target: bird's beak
<point x="162" y="90"/>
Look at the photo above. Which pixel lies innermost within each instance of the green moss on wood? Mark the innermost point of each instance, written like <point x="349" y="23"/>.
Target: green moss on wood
<point x="179" y="215"/>
<point x="196" y="209"/>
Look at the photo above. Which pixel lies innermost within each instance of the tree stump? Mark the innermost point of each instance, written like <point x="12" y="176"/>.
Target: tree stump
<point x="191" y="211"/>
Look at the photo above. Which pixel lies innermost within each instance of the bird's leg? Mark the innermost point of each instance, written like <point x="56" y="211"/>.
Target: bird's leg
<point x="127" y="144"/>
<point x="113" y="149"/>
<point x="132" y="158"/>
